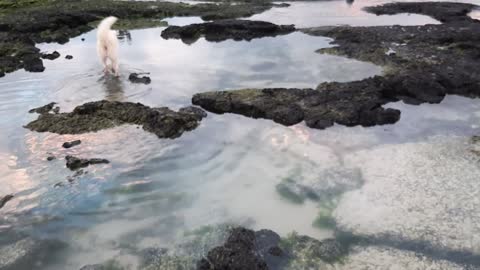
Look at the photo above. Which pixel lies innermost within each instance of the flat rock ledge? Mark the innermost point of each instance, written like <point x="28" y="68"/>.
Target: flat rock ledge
<point x="346" y="104"/>
<point x="98" y="115"/>
<point x="226" y="29"/>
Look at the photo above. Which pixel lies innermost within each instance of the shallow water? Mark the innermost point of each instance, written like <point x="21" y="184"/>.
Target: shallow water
<point x="227" y="170"/>
<point x="323" y="13"/>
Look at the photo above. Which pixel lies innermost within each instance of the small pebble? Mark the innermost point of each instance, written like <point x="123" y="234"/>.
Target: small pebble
<point x="71" y="144"/>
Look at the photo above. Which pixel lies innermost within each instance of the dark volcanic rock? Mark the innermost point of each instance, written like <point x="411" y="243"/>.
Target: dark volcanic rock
<point x="69" y="57"/>
<point x="71" y="144"/>
<point x="98" y="115"/>
<point x="422" y="64"/>
<point x="135" y="78"/>
<point x="43" y="109"/>
<point x="444" y="12"/>
<point x="238" y="253"/>
<point x="264" y="249"/>
<point x="226" y="29"/>
<point x="4" y="200"/>
<point x="74" y="163"/>
<point x="51" y="56"/>
<point x="345" y="104"/>
<point x="50" y="158"/>
<point x="33" y="64"/>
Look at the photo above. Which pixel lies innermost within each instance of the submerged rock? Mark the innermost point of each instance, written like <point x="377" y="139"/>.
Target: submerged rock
<point x="135" y="78"/>
<point x="69" y="57"/>
<point x="226" y="29"/>
<point x="74" y="163"/>
<point x="308" y="253"/>
<point x="51" y="56"/>
<point x="28" y="253"/>
<point x="71" y="144"/>
<point x="5" y="199"/>
<point x="346" y="104"/>
<point x="98" y="115"/>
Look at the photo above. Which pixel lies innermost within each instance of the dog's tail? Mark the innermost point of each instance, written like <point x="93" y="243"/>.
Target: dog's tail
<point x="106" y="24"/>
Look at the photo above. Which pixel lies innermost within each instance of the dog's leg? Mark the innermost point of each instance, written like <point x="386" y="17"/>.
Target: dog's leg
<point x="115" y="66"/>
<point x="105" y="64"/>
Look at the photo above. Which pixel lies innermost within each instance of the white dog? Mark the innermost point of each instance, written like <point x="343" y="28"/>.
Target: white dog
<point x="107" y="45"/>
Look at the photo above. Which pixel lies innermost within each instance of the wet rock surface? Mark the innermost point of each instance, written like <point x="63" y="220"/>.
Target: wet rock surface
<point x="137" y="78"/>
<point x="74" y="163"/>
<point x="422" y="65"/>
<point x="51" y="56"/>
<point x="5" y="199"/>
<point x="226" y="29"/>
<point x="239" y="252"/>
<point x="444" y="12"/>
<point x="71" y="144"/>
<point x="23" y="24"/>
<point x="346" y="104"/>
<point x="43" y="109"/>
<point x="98" y="115"/>
<point x="265" y="249"/>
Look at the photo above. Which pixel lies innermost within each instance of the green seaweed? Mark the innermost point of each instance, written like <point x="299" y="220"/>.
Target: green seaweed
<point x="324" y="219"/>
<point x="287" y="193"/>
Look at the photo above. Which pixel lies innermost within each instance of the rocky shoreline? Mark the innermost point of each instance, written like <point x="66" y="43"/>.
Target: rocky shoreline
<point x="26" y="23"/>
<point x="421" y="64"/>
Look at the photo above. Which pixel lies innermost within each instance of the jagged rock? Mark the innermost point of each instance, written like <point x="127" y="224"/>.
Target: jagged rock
<point x="43" y="109"/>
<point x="51" y="56"/>
<point x="344" y="104"/>
<point x="135" y="78"/>
<point x="98" y="115"/>
<point x="74" y="163"/>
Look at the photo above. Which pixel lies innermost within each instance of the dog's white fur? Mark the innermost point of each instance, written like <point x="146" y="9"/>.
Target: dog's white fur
<point x="107" y="45"/>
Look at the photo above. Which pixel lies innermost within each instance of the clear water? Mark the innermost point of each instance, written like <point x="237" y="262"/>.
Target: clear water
<point x="323" y="13"/>
<point x="419" y="174"/>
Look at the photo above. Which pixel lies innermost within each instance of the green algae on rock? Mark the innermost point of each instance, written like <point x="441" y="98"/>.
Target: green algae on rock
<point x="98" y="115"/>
